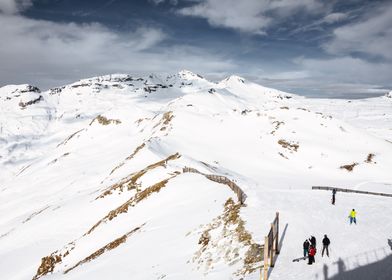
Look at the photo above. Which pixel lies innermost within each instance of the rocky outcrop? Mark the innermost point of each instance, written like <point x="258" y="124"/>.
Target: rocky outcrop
<point x="30" y="88"/>
<point x="47" y="265"/>
<point x="30" y="102"/>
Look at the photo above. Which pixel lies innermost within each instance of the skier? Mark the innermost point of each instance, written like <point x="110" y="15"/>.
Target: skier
<point x="353" y="217"/>
<point x="312" y="253"/>
<point x="306" y="248"/>
<point x="333" y="196"/>
<point x="326" y="243"/>
<point x="312" y="240"/>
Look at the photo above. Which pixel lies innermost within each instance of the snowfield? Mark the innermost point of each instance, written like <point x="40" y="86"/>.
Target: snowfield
<point x="92" y="181"/>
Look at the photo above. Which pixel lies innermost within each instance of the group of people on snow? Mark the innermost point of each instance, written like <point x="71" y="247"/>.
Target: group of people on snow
<point x="309" y="246"/>
<point x="310" y="250"/>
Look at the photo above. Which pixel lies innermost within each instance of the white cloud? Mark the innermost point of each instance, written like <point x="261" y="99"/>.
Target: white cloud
<point x="287" y="7"/>
<point x="351" y="66"/>
<point x="371" y="35"/>
<point x="320" y="24"/>
<point x="347" y="70"/>
<point x="251" y="16"/>
<point x="241" y="15"/>
<point x="14" y="6"/>
<point x="334" y="18"/>
<point x="158" y="2"/>
<point x="46" y="53"/>
<point x="339" y="76"/>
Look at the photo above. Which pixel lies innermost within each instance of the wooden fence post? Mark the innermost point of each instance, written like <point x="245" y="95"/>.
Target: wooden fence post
<point x="264" y="275"/>
<point x="277" y="233"/>
<point x="273" y="246"/>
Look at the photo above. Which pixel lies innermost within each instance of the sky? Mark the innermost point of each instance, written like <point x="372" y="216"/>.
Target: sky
<point x="334" y="48"/>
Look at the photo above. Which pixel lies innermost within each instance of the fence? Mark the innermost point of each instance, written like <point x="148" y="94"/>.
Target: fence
<point x="271" y="247"/>
<point x="222" y="180"/>
<point x="349" y="191"/>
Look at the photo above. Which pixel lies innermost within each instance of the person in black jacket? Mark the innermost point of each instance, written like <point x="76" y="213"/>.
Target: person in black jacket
<point x="312" y="240"/>
<point x="326" y="243"/>
<point x="306" y="248"/>
<point x="333" y="196"/>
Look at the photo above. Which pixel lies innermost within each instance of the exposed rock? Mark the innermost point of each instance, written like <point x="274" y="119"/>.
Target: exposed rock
<point x="349" y="167"/>
<point x="224" y="238"/>
<point x="31" y="102"/>
<point x="30" y="88"/>
<point x="47" y="265"/>
<point x="369" y="158"/>
<point x="104" y="121"/>
<point x="287" y="145"/>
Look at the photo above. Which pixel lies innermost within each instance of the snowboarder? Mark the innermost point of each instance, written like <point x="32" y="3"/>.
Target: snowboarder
<point x="333" y="196"/>
<point x="326" y="243"/>
<point x="306" y="248"/>
<point x="312" y="240"/>
<point x="312" y="253"/>
<point x="353" y="217"/>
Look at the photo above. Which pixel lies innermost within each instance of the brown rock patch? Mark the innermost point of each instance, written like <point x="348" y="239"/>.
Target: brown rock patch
<point x="349" y="167"/>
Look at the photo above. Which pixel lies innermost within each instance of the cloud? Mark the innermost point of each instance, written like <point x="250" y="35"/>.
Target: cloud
<point x="251" y="16"/>
<point x="347" y="70"/>
<point x="334" y="18"/>
<point x="370" y="35"/>
<point x="46" y="53"/>
<point x="357" y="58"/>
<point x="158" y="2"/>
<point x="14" y="6"/>
<point x="339" y="76"/>
<point x="326" y="77"/>
<point x="240" y="15"/>
<point x="321" y="24"/>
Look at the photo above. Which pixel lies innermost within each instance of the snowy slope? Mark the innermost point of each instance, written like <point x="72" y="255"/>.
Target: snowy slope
<point x="92" y="183"/>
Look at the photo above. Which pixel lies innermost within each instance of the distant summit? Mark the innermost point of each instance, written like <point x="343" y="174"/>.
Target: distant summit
<point x="234" y="78"/>
<point x="188" y="75"/>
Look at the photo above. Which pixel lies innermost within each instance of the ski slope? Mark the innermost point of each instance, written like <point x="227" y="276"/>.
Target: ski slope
<point x="92" y="183"/>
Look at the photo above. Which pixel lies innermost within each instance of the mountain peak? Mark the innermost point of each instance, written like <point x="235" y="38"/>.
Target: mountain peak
<point x="23" y="88"/>
<point x="234" y="79"/>
<point x="189" y="75"/>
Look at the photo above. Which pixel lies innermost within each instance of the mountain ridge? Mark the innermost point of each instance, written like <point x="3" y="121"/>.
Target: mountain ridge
<point x="93" y="161"/>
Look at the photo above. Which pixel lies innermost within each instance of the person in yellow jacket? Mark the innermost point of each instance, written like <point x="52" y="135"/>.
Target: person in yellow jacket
<point x="353" y="217"/>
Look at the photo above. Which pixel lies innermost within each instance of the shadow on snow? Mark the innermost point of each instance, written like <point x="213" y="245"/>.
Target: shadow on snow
<point x="375" y="265"/>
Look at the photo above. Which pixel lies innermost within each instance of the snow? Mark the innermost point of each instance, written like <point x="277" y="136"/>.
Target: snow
<point x="63" y="151"/>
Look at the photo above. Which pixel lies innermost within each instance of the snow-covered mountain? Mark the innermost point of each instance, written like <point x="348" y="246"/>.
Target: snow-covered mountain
<point x="92" y="181"/>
